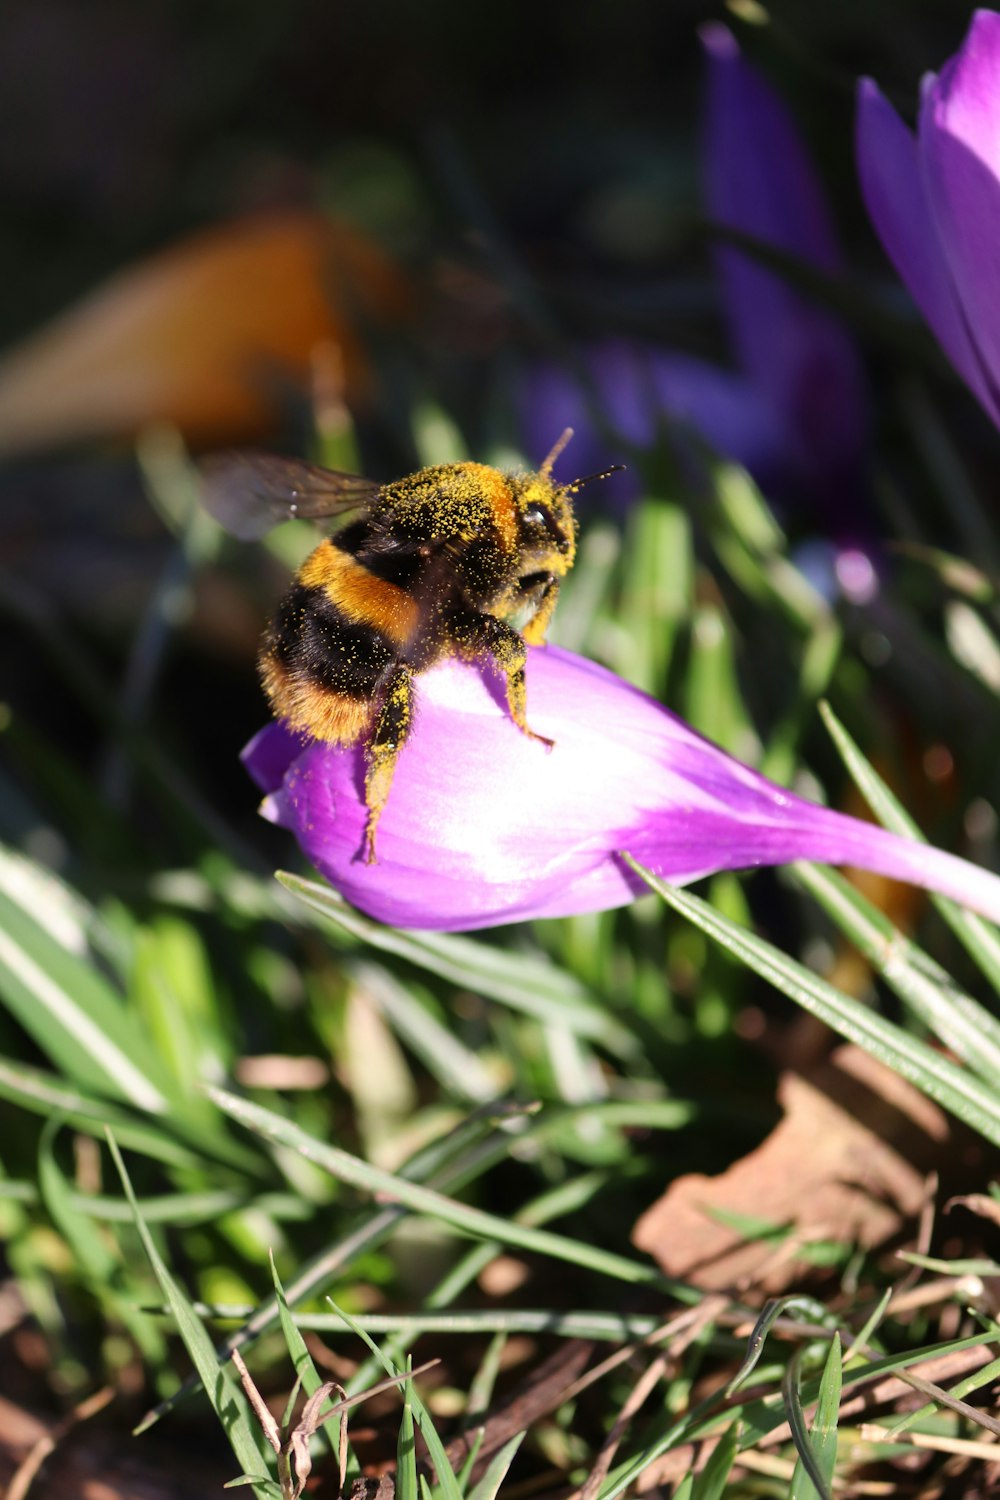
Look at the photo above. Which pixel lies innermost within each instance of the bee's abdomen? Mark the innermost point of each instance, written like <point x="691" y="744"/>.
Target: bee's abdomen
<point x="321" y="668"/>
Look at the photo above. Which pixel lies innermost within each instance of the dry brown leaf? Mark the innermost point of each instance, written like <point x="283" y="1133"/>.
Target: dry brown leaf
<point x="208" y="335"/>
<point x="847" y="1162"/>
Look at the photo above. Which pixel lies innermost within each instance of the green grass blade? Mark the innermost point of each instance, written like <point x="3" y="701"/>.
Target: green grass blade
<point x="762" y="1416"/>
<point x="472" y="1221"/>
<point x="224" y="1392"/>
<point x="74" y="1015"/>
<point x="406" y="1451"/>
<point x="818" y="1458"/>
<point x="482" y="1384"/>
<point x="868" y="1329"/>
<point x="185" y="1209"/>
<point x="93" y="1257"/>
<point x="713" y="705"/>
<point x="985" y="1375"/>
<point x="955" y="1090"/>
<point x="772" y="1310"/>
<point x="609" y="1327"/>
<point x="489" y="1486"/>
<point x="55" y="905"/>
<point x="656" y="590"/>
<point x="456" y="1067"/>
<point x="979" y="937"/>
<point x="529" y="985"/>
<point x="711" y="1482"/>
<point x="306" y="1373"/>
<point x="925" y="988"/>
<point x="300" y="1356"/>
<point x="459" y="1156"/>
<point x="44" y="1094"/>
<point x="469" y="1464"/>
<point x="447" y="1484"/>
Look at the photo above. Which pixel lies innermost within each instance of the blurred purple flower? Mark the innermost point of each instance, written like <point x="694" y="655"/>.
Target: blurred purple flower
<point x="484" y="826"/>
<point x="761" y="183"/>
<point x="795" y="412"/>
<point x="638" y="390"/>
<point x="934" y="198"/>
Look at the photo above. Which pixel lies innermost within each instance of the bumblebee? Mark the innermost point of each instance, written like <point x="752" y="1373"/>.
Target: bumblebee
<point x="455" y="560"/>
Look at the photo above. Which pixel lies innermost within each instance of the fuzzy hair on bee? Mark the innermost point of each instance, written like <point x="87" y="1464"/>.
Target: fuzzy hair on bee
<point x="455" y="560"/>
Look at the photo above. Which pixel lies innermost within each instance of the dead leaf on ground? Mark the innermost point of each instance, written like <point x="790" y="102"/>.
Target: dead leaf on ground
<point x="208" y="335"/>
<point x="847" y="1162"/>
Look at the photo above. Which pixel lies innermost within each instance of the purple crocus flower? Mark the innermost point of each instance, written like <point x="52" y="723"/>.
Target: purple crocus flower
<point x="798" y="356"/>
<point x="485" y="826"/>
<point x="794" y="412"/>
<point x="934" y="198"/>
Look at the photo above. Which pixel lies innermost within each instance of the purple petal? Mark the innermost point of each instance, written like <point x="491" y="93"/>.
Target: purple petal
<point x="960" y="153"/>
<point x="733" y="417"/>
<point x="760" y="182"/>
<point x="895" y="195"/>
<point x="271" y="753"/>
<point x="639" y="392"/>
<point x="966" y="100"/>
<point x="759" y="179"/>
<point x="485" y="826"/>
<point x="550" y="397"/>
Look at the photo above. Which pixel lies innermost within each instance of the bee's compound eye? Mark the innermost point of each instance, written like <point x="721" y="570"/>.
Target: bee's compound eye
<point x="540" y="515"/>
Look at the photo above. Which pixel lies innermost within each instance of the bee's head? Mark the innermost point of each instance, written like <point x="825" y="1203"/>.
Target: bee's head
<point x="547" y="522"/>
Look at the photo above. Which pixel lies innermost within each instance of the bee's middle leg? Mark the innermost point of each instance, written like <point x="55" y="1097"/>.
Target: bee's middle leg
<point x="392" y="725"/>
<point x="485" y="635"/>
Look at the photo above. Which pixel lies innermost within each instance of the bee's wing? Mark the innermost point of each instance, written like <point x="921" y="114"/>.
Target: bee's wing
<point x="248" y="493"/>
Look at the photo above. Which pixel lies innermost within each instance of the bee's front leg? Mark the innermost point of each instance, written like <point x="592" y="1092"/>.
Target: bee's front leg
<point x="392" y="725"/>
<point x="548" y="586"/>
<point x="478" y="634"/>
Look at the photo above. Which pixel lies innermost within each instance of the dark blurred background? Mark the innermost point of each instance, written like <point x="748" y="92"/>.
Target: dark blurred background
<point x="125" y="125"/>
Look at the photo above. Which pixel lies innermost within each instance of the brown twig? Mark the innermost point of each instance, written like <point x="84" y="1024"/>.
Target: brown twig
<point x="28" y="1469"/>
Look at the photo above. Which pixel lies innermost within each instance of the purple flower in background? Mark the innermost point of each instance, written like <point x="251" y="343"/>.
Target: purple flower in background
<point x="795" y="411"/>
<point x="934" y="198"/>
<point x="638" y="390"/>
<point x="485" y="826"/>
<point x="761" y="183"/>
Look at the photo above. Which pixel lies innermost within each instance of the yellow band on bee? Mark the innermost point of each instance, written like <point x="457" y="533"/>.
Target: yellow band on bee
<point x="489" y="485"/>
<point x="315" y="710"/>
<point x="361" y="597"/>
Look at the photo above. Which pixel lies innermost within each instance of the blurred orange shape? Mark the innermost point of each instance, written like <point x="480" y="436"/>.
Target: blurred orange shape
<point x="211" y="334"/>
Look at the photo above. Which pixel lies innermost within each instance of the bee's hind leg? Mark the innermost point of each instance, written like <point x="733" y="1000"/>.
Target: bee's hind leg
<point x="392" y="725"/>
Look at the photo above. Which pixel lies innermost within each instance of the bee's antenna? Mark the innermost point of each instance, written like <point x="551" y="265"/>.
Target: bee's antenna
<point x="546" y="468"/>
<point x="578" y="484"/>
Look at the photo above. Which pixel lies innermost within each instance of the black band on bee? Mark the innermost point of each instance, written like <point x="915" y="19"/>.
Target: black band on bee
<point x="310" y="636"/>
<point x="384" y="555"/>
